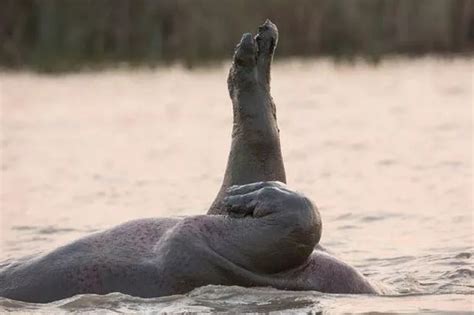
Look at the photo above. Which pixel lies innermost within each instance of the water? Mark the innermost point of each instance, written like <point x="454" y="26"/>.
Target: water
<point x="385" y="152"/>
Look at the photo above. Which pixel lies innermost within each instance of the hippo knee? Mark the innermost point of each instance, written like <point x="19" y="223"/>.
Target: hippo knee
<point x="289" y="222"/>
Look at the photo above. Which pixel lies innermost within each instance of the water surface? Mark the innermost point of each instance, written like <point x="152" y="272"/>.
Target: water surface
<point x="385" y="152"/>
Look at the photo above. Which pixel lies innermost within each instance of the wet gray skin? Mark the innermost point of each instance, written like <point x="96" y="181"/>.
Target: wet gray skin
<point x="264" y="234"/>
<point x="255" y="153"/>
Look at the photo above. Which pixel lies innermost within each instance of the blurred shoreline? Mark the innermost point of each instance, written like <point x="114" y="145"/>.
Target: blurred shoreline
<point x="68" y="36"/>
<point x="284" y="62"/>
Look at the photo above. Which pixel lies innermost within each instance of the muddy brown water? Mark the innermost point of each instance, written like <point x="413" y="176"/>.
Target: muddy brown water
<point x="385" y="152"/>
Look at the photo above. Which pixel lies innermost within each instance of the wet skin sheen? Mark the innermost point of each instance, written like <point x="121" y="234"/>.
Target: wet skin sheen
<point x="260" y="233"/>
<point x="268" y="231"/>
<point x="255" y="153"/>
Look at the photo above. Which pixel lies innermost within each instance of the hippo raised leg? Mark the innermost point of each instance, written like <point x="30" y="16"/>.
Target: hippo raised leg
<point x="255" y="153"/>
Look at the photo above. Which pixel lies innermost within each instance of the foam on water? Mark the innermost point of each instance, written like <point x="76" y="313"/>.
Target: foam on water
<point x="252" y="300"/>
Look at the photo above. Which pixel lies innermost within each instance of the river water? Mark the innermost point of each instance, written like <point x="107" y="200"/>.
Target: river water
<point x="385" y="152"/>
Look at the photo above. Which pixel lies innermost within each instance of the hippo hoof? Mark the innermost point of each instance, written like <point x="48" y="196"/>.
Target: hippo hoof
<point x="267" y="38"/>
<point x="260" y="48"/>
<point x="246" y="50"/>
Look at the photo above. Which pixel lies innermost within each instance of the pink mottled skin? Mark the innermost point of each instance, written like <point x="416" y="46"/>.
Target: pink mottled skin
<point x="155" y="257"/>
<point x="266" y="239"/>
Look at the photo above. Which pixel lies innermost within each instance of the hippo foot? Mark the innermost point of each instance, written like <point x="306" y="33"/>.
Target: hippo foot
<point x="252" y="59"/>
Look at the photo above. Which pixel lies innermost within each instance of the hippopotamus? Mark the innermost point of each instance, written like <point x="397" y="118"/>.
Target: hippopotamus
<point x="258" y="231"/>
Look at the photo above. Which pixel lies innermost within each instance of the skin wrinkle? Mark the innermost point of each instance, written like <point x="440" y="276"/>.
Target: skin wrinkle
<point x="299" y="223"/>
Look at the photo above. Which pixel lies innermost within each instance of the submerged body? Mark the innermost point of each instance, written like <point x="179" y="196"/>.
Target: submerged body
<point x="266" y="240"/>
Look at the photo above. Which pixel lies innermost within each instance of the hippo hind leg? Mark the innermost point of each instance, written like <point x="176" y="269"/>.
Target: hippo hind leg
<point x="255" y="153"/>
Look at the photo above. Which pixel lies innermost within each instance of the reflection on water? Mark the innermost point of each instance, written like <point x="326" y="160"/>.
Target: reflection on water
<point x="385" y="152"/>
